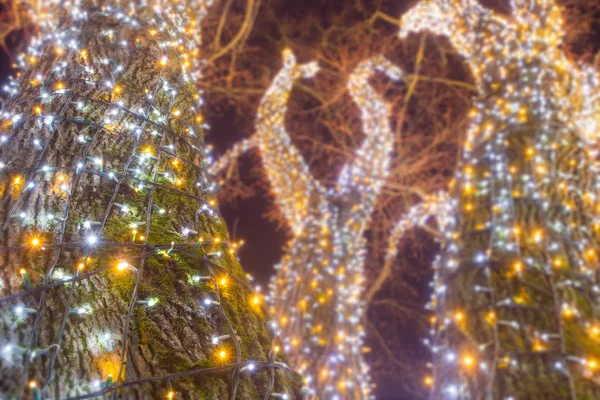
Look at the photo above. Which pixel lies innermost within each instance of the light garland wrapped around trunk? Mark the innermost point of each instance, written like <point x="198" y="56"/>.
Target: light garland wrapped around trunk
<point x="315" y="296"/>
<point x="516" y="292"/>
<point x="117" y="276"/>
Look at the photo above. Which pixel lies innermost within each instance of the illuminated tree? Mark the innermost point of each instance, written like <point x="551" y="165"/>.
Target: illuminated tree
<point x="117" y="277"/>
<point x="315" y="296"/>
<point x="516" y="284"/>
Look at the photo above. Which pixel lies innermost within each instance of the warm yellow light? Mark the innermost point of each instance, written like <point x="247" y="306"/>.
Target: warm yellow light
<point x="222" y="354"/>
<point x="518" y="266"/>
<point x="468" y="361"/>
<point x="223" y="281"/>
<point x="557" y="262"/>
<point x="568" y="312"/>
<point x="540" y="169"/>
<point x="171" y="395"/>
<point x="60" y="86"/>
<point x="256" y="299"/>
<point x="468" y="188"/>
<point x="428" y="380"/>
<point x="538" y="346"/>
<point x="530" y="151"/>
<point x="523" y="114"/>
<point x="37" y="109"/>
<point x="35" y="242"/>
<point x="459" y="316"/>
<point x="590" y="253"/>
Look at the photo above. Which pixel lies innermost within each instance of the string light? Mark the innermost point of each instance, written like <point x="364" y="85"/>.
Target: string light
<point x="530" y="150"/>
<point x="122" y="265"/>
<point x="102" y="127"/>
<point x="320" y="279"/>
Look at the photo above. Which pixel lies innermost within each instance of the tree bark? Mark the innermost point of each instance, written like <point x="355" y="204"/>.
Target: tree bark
<point x="103" y="165"/>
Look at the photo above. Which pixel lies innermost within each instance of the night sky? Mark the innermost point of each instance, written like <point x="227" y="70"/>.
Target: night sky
<point x="333" y="32"/>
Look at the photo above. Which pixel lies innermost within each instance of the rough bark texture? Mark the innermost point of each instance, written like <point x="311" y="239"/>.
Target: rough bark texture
<point x="121" y="94"/>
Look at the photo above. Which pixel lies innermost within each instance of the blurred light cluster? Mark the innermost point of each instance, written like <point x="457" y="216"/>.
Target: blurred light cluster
<point x="315" y="296"/>
<point x="516" y="294"/>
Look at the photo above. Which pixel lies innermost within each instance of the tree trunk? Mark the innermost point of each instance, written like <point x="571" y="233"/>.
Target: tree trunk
<point x="105" y="208"/>
<point x="316" y="294"/>
<point x="516" y="292"/>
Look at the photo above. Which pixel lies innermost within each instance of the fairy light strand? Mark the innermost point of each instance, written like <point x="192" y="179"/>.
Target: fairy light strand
<point x="315" y="296"/>
<point x="74" y="96"/>
<point x="514" y="283"/>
